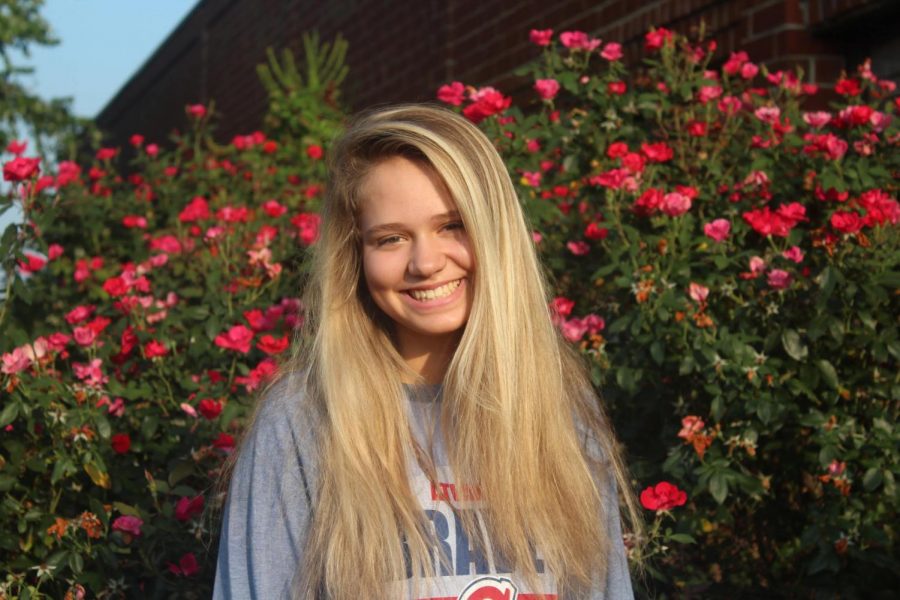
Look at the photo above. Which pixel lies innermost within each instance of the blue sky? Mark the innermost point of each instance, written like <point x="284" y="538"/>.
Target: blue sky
<point x="103" y="43"/>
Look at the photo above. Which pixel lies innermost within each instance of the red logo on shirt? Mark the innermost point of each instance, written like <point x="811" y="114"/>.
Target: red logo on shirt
<point x="490" y="588"/>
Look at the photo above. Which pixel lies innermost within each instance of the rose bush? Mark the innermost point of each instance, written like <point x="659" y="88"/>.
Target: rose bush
<point x="726" y="261"/>
<point x="743" y="254"/>
<point x="147" y="305"/>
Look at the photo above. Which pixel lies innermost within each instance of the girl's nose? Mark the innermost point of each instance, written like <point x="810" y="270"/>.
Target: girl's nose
<point x="426" y="259"/>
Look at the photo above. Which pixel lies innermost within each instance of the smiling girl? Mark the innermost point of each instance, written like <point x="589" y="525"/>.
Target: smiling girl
<point x="433" y="437"/>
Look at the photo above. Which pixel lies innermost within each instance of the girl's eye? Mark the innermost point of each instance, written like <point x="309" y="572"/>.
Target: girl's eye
<point x="392" y="239"/>
<point x="455" y="225"/>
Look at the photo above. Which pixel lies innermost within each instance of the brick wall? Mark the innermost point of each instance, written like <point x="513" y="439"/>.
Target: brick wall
<point x="402" y="50"/>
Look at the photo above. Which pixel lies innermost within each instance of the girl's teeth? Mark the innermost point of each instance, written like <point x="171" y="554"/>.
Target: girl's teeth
<point x="441" y="292"/>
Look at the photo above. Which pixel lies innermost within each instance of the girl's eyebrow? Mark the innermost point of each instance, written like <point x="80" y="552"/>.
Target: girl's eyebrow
<point x="382" y="227"/>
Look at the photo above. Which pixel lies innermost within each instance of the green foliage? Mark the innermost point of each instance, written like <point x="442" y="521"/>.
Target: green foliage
<point x="753" y="368"/>
<point x="304" y="102"/>
<point x="759" y="372"/>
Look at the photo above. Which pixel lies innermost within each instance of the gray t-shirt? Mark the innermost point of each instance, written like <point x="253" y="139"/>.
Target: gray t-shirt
<point x="274" y="485"/>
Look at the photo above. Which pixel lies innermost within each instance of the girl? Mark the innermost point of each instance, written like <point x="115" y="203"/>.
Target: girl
<point x="433" y="437"/>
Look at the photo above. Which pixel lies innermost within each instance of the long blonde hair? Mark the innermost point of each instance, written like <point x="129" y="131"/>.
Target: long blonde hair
<point x="517" y="407"/>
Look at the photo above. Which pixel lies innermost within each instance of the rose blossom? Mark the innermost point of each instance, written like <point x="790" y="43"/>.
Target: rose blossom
<point x="675" y="204"/>
<point x="546" y="88"/>
<point x="664" y="496"/>
<point x="698" y="293"/>
<point x="237" y="338"/>
<point x="186" y="508"/>
<point x="690" y="426"/>
<point x="21" y="168"/>
<point x="794" y="253"/>
<point x="718" y="230"/>
<point x="128" y="524"/>
<point x="779" y="279"/>
<point x="541" y="37"/>
<point x="579" y="40"/>
<point x="612" y="51"/>
<point x="578" y="248"/>
<point x="452" y="93"/>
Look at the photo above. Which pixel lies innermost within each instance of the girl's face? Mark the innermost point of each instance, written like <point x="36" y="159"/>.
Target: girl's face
<point x="417" y="259"/>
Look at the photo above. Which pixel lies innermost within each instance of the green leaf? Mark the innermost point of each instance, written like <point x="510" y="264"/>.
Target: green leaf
<point x="181" y="470"/>
<point x="795" y="348"/>
<point x="76" y="563"/>
<point x="657" y="352"/>
<point x="126" y="509"/>
<point x="9" y="414"/>
<point x="828" y="372"/>
<point x="872" y="479"/>
<point x="148" y="427"/>
<point x="682" y="538"/>
<point x="718" y="487"/>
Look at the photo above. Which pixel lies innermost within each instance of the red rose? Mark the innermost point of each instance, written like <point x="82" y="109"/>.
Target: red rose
<point x="663" y="496"/>
<point x="153" y="348"/>
<point x="136" y="140"/>
<point x="486" y="102"/>
<point x="616" y="87"/>
<point x="223" y="442"/>
<point x="595" y="232"/>
<point x="198" y="111"/>
<point x="314" y="151"/>
<point x="658" y="152"/>
<point x="210" y="408"/>
<point x="188" y="507"/>
<point x="120" y="443"/>
<point x="115" y="287"/>
<point x="196" y="210"/>
<point x="21" y="168"/>
<point x="187" y="565"/>
<point x="846" y="221"/>
<point x="237" y="338"/>
<point x="452" y="93"/>
<point x="106" y="153"/>
<point x="273" y="345"/>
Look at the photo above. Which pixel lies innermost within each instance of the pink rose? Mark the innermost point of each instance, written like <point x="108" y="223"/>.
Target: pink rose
<point x="690" y="426"/>
<point x="562" y="306"/>
<point x="128" y="524"/>
<point x="237" y="338"/>
<point x="794" y="253"/>
<point x="573" y="329"/>
<point x="579" y="40"/>
<point x="197" y="111"/>
<point x="718" y="230"/>
<point x="612" y="51"/>
<point x="675" y="204"/>
<point x="79" y="314"/>
<point x="708" y="92"/>
<point x="578" y="248"/>
<point x="15" y="361"/>
<point x="779" y="279"/>
<point x="698" y="293"/>
<point x="452" y="93"/>
<point x="541" y="37"/>
<point x="546" y="88"/>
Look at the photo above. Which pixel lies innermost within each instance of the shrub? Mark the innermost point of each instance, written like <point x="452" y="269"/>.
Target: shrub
<point x="146" y="309"/>
<point x="728" y="264"/>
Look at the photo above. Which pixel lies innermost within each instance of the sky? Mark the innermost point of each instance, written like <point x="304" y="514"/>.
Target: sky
<point x="102" y="44"/>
